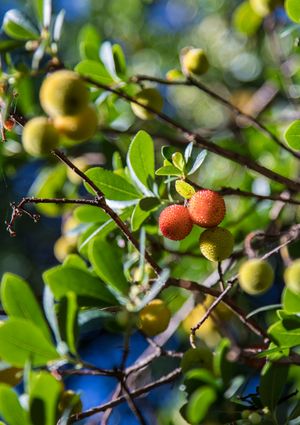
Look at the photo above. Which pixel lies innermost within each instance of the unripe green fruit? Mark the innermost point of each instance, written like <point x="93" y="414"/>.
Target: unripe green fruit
<point x="194" y="61"/>
<point x="216" y="244"/>
<point x="256" y="276"/>
<point x="254" y="418"/>
<point x="63" y="93"/>
<point x="292" y="277"/>
<point x="195" y="358"/>
<point x="148" y="97"/>
<point x="78" y="127"/>
<point x="154" y="318"/>
<point x="39" y="137"/>
<point x="245" y="414"/>
<point x="263" y="7"/>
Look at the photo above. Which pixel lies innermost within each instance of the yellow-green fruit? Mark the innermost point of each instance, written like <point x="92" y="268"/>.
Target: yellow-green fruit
<point x="292" y="277"/>
<point x="64" y="246"/>
<point x="256" y="276"/>
<point x="68" y="401"/>
<point x="154" y="318"/>
<point x="39" y="137"/>
<point x="63" y="93"/>
<point x="196" y="358"/>
<point x="254" y="418"/>
<point x="216" y="244"/>
<point x="82" y="164"/>
<point x="194" y="61"/>
<point x="148" y="97"/>
<point x="174" y="74"/>
<point x="78" y="127"/>
<point x="263" y="7"/>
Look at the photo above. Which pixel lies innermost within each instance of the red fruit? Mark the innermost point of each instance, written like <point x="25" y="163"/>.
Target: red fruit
<point x="207" y="208"/>
<point x="175" y="222"/>
<point x="9" y="124"/>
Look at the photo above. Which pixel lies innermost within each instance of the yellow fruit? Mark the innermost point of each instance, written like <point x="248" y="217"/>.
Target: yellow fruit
<point x="194" y="61"/>
<point x="174" y="74"/>
<point x="148" y="97"/>
<point x="78" y="127"/>
<point x="216" y="244"/>
<point x="263" y="7"/>
<point x="255" y="276"/>
<point x="82" y="164"/>
<point x="39" y="137"/>
<point x="208" y="332"/>
<point x="64" y="246"/>
<point x="196" y="358"/>
<point x="63" y="93"/>
<point x="292" y="277"/>
<point x="154" y="318"/>
<point x="69" y="224"/>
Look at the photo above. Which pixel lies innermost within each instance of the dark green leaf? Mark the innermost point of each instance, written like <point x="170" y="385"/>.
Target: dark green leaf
<point x="273" y="380"/>
<point x="142" y="211"/>
<point x="19" y="301"/>
<point x="21" y="340"/>
<point x="68" y="320"/>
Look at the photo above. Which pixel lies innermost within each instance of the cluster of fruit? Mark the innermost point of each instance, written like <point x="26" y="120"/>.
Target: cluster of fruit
<point x="206" y="208"/>
<point x="65" y="98"/>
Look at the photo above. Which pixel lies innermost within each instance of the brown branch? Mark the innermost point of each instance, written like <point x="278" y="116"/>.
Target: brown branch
<point x="131" y="403"/>
<point x="191" y="81"/>
<point x="140" y="391"/>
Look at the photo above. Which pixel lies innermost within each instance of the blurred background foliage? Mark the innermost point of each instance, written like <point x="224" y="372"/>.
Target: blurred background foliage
<point x="249" y="69"/>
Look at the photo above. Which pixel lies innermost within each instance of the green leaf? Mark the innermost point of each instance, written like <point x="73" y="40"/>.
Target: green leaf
<point x="87" y="287"/>
<point x="199" y="404"/>
<point x="114" y="187"/>
<point x="44" y="395"/>
<point x="286" y="333"/>
<point x="292" y="8"/>
<point x="178" y="161"/>
<point x="18" y="26"/>
<point x="119" y="59"/>
<point x="106" y="259"/>
<point x="140" y="160"/>
<point x="10" y="408"/>
<point x="94" y="70"/>
<point x="7" y="45"/>
<point x="291" y="301"/>
<point x="21" y="340"/>
<point x="142" y="211"/>
<point x="272" y="382"/>
<point x="196" y="160"/>
<point x="167" y="152"/>
<point x="75" y="261"/>
<point x="68" y="321"/>
<point x="222" y="367"/>
<point x="90" y="214"/>
<point x="292" y="134"/>
<point x="89" y="42"/>
<point x="19" y="301"/>
<point x="245" y="20"/>
<point x="168" y="170"/>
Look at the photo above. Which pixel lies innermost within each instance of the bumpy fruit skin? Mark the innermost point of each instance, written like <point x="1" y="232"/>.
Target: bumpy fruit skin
<point x="63" y="93"/>
<point x="263" y="7"/>
<point x="216" y="244"/>
<point x="148" y="97"/>
<point x="175" y="222"/>
<point x="154" y="318"/>
<point x="77" y="127"/>
<point x="207" y="208"/>
<point x="196" y="358"/>
<point x="292" y="277"/>
<point x="194" y="61"/>
<point x="255" y="276"/>
<point x="39" y="137"/>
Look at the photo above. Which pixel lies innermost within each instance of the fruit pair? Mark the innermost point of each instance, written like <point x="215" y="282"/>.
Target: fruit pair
<point x="64" y="97"/>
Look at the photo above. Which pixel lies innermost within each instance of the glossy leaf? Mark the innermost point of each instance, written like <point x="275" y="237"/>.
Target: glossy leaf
<point x="94" y="70"/>
<point x="291" y="301"/>
<point x="107" y="262"/>
<point x="168" y="170"/>
<point x="18" y="26"/>
<point x="68" y="320"/>
<point x="10" y="408"/>
<point x="245" y="20"/>
<point x="199" y="403"/>
<point x="286" y="332"/>
<point x="19" y="301"/>
<point x="114" y="187"/>
<point x="184" y="189"/>
<point x="142" y="211"/>
<point x="140" y="160"/>
<point x="21" y="340"/>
